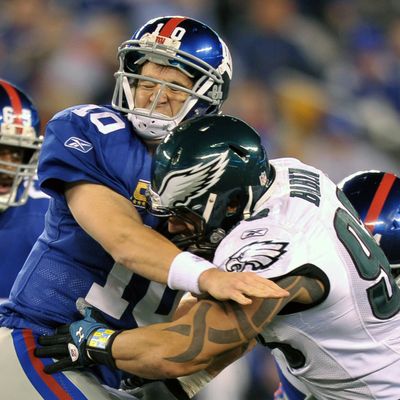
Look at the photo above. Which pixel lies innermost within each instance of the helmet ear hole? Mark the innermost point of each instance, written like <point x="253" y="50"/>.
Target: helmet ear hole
<point x="27" y="155"/>
<point x="240" y="151"/>
<point x="232" y="207"/>
<point x="225" y="86"/>
<point x="130" y="64"/>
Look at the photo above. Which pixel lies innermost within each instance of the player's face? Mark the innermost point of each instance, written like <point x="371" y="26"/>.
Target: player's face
<point x="8" y="155"/>
<point x="168" y="100"/>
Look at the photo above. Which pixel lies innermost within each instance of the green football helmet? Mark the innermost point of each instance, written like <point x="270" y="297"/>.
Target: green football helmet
<point x="209" y="172"/>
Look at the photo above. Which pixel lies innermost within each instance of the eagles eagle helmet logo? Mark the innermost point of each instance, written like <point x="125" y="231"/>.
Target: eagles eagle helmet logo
<point x="178" y="188"/>
<point x="256" y="256"/>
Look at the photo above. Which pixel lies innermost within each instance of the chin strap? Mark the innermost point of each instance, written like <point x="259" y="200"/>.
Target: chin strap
<point x="248" y="208"/>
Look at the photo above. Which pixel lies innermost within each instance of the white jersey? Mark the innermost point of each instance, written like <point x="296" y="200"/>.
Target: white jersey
<point x="348" y="346"/>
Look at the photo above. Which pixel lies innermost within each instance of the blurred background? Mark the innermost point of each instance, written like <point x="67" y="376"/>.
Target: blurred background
<point x="319" y="79"/>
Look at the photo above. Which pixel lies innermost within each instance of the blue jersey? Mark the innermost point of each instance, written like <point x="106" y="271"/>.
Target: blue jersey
<point x="19" y="229"/>
<point x="98" y="145"/>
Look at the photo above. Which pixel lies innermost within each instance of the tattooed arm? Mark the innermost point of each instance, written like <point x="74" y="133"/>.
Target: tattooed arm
<point x="210" y="331"/>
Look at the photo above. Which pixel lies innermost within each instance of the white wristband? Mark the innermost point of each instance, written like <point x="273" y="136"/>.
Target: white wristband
<point x="185" y="271"/>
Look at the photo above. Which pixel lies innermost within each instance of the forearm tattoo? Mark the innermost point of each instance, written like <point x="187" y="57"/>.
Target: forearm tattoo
<point x="247" y="324"/>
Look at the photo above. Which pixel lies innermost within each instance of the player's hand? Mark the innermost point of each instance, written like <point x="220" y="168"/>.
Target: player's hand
<point x="238" y="286"/>
<point x="80" y="344"/>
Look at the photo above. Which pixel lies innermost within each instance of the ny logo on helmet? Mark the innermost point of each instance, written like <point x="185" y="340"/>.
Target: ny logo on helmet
<point x="256" y="256"/>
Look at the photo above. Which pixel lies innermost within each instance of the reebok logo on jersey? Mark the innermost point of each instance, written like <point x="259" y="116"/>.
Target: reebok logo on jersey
<point x="253" y="233"/>
<point x="78" y="144"/>
<point x="256" y="256"/>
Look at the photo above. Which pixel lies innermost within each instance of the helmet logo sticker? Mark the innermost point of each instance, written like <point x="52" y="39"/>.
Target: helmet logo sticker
<point x="9" y="116"/>
<point x="256" y="256"/>
<point x="178" y="188"/>
<point x="263" y="178"/>
<point x="169" y="34"/>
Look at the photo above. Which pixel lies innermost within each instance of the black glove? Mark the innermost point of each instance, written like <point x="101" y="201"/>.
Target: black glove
<point x="169" y="389"/>
<point x="80" y="344"/>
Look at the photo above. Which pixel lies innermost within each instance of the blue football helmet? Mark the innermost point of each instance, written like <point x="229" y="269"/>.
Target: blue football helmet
<point x="19" y="134"/>
<point x="376" y="197"/>
<point x="186" y="44"/>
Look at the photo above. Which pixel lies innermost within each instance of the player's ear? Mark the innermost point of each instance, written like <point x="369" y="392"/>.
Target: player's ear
<point x="232" y="207"/>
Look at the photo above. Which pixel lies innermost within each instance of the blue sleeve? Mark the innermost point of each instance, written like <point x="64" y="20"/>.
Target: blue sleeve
<point x="75" y="150"/>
